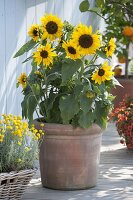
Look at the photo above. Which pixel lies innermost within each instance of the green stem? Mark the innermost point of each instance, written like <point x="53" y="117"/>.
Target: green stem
<point x="91" y="62"/>
<point x="127" y="62"/>
<point x="81" y="71"/>
<point x="97" y="14"/>
<point x="35" y="98"/>
<point x="45" y="83"/>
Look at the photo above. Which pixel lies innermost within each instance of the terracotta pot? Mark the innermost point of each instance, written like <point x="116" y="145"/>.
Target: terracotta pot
<point x="69" y="157"/>
<point x="120" y="92"/>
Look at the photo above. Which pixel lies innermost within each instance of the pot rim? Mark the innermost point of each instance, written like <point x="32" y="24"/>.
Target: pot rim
<point x="67" y="129"/>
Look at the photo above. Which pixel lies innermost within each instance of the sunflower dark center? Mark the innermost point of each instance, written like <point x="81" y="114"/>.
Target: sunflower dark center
<point x="101" y="72"/>
<point x="35" y="32"/>
<point x="44" y="54"/>
<point x="71" y="50"/>
<point x="51" y="27"/>
<point x="108" y="48"/>
<point x="23" y="80"/>
<point x="85" y="41"/>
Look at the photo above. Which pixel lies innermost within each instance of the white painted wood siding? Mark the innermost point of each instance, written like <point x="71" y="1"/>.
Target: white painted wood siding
<point x="15" y="18"/>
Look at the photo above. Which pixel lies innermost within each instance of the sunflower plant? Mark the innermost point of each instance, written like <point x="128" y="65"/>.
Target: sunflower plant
<point x="68" y="84"/>
<point x="18" y="143"/>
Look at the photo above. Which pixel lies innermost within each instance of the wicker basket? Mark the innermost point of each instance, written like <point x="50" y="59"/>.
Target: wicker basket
<point x="13" y="184"/>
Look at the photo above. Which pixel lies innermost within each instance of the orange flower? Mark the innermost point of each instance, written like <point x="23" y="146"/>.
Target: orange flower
<point x="128" y="31"/>
<point x="122" y="59"/>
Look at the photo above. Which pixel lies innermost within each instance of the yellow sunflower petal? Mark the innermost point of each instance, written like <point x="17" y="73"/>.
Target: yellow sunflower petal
<point x="102" y="74"/>
<point x="86" y="40"/>
<point x="110" y="49"/>
<point x="1" y="137"/>
<point x="44" y="55"/>
<point x="33" y="32"/>
<point x="22" y="80"/>
<point x="72" y="50"/>
<point x="51" y="27"/>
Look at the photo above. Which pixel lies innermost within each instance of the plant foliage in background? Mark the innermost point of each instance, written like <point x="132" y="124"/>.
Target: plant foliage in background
<point x="18" y="144"/>
<point x="64" y="86"/>
<point x="118" y="16"/>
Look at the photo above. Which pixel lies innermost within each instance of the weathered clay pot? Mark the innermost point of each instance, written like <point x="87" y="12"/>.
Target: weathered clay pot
<point x="69" y="157"/>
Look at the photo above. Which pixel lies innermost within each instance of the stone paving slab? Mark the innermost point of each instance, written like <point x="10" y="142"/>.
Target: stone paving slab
<point x="115" y="180"/>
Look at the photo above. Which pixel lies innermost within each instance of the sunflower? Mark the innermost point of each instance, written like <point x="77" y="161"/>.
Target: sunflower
<point x="44" y="54"/>
<point x="51" y="27"/>
<point x="102" y="74"/>
<point x="110" y="48"/>
<point x="34" y="32"/>
<point x="86" y="40"/>
<point x="22" y="80"/>
<point x="72" y="50"/>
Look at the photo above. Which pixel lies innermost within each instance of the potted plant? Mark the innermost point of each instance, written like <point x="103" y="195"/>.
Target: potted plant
<point x="71" y="93"/>
<point x="118" y="18"/>
<point x="18" y="151"/>
<point x="123" y="115"/>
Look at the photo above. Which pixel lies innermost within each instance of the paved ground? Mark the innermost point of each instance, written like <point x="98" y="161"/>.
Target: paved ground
<point x="115" y="178"/>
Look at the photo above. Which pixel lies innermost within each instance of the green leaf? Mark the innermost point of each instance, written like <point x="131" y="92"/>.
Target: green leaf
<point x="47" y="105"/>
<point x="100" y="3"/>
<point x="53" y="76"/>
<point x="34" y="64"/>
<point x="77" y="90"/>
<point x="87" y="85"/>
<point x="101" y="112"/>
<point x="101" y="54"/>
<point x="102" y="122"/>
<point x="85" y="103"/>
<point x="50" y="100"/>
<point x="95" y="9"/>
<point x="116" y="82"/>
<point x="17" y="85"/>
<point x="32" y="104"/>
<point x="29" y="105"/>
<point x="24" y="108"/>
<point x="84" y="6"/>
<point x="36" y="89"/>
<point x="42" y="109"/>
<point x="69" y="107"/>
<point x="86" y="119"/>
<point x="27" y="59"/>
<point x="56" y="68"/>
<point x="55" y="114"/>
<point x="25" y="48"/>
<point x="69" y="68"/>
<point x="96" y="90"/>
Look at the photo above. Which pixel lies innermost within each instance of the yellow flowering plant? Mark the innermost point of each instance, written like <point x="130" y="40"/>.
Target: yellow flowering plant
<point x="18" y="143"/>
<point x="68" y="84"/>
